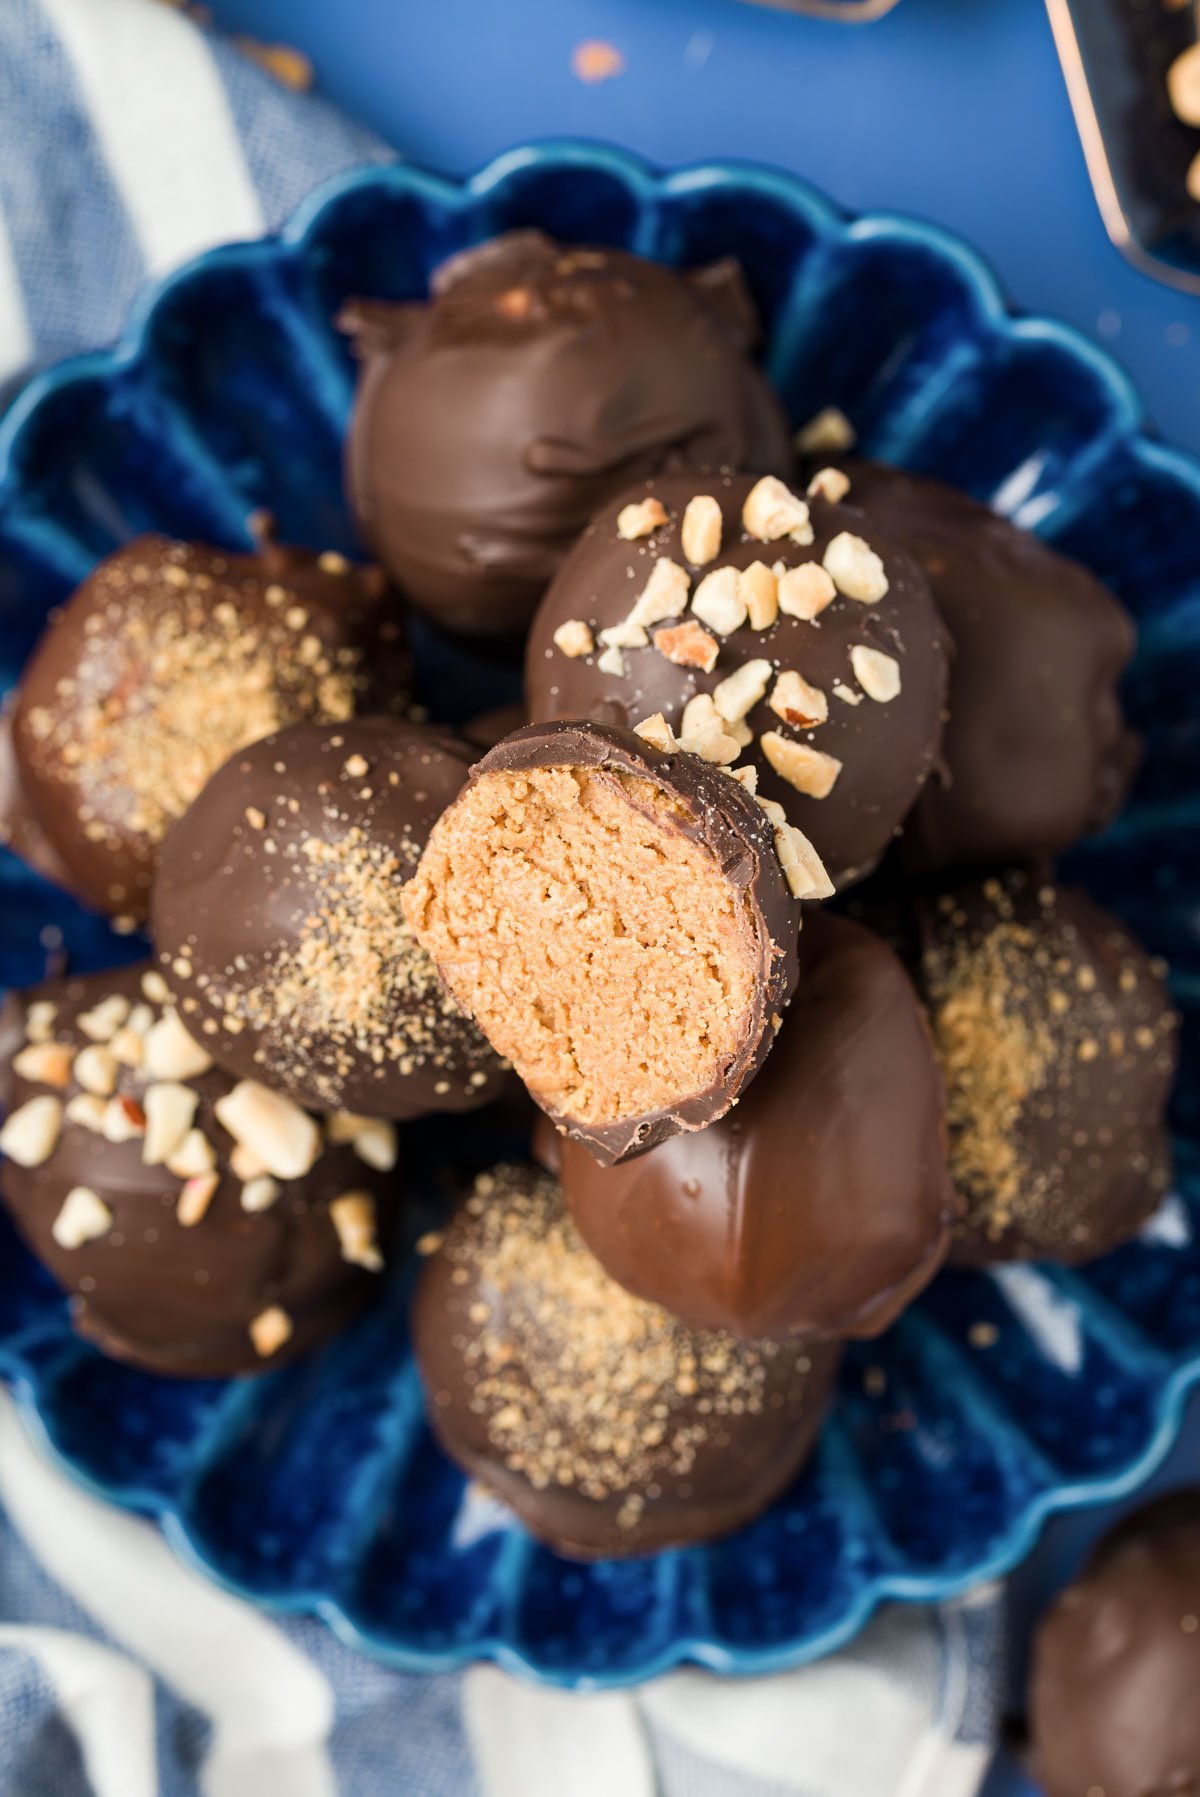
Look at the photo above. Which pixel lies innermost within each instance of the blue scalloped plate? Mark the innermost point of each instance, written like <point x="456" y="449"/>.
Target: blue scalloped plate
<point x="318" y="1488"/>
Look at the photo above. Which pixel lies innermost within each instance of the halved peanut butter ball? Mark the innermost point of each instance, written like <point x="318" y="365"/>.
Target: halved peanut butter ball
<point x="621" y="921"/>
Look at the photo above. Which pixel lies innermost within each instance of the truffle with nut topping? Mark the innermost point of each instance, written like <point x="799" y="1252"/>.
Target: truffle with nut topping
<point x="608" y="1426"/>
<point x="617" y="918"/>
<point x="765" y="624"/>
<point x="1116" y="1663"/>
<point x="1057" y="1041"/>
<point x="1036" y="752"/>
<point x="537" y="381"/>
<point x="822" y="1204"/>
<point x="279" y="931"/>
<point x="166" y="660"/>
<point x="202" y="1225"/>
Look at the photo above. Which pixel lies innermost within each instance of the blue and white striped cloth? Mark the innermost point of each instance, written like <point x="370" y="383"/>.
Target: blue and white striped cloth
<point x="130" y="142"/>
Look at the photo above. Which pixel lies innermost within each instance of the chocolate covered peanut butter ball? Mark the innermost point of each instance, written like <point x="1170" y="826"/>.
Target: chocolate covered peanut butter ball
<point x="279" y="930"/>
<point x="609" y="1427"/>
<point x="166" y="660"/>
<point x="1036" y="752"/>
<point x="1116" y="1664"/>
<point x="1057" y="1040"/>
<point x="203" y="1226"/>
<point x="536" y="382"/>
<point x="621" y="920"/>
<point x="822" y="1204"/>
<point x="764" y="624"/>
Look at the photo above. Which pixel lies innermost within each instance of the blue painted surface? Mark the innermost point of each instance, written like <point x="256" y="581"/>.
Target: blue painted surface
<point x="319" y="1488"/>
<point x="951" y="109"/>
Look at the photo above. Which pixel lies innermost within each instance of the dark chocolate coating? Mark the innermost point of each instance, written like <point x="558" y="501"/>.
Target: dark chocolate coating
<point x="734" y="830"/>
<point x="887" y="750"/>
<point x="491" y="422"/>
<point x="822" y="1204"/>
<point x="168" y="658"/>
<point x="1057" y="1041"/>
<point x="277" y="919"/>
<point x="1036" y="750"/>
<point x="609" y="1427"/>
<point x="1116" y="1664"/>
<point x="149" y="1290"/>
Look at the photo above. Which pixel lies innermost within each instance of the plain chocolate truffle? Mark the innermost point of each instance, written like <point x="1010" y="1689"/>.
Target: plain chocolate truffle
<point x="279" y="930"/>
<point x="1116" y="1664"/>
<point x="203" y="1226"/>
<point x="609" y="1427"/>
<point x="1036" y="752"/>
<point x="771" y="625"/>
<point x="1057" y="1041"/>
<point x="617" y="918"/>
<point x="492" y="421"/>
<point x="166" y="660"/>
<point x="822" y="1204"/>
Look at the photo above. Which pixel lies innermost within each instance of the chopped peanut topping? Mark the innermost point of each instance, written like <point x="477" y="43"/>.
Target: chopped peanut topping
<point x="46" y="1063"/>
<point x="195" y="1198"/>
<point x="878" y="674"/>
<point x="688" y="646"/>
<point x="855" y="569"/>
<point x="611" y="662"/>
<point x="626" y="635"/>
<point x="846" y="694"/>
<point x="805" y="768"/>
<point x="353" y="1217"/>
<point x="772" y="511"/>
<point x="30" y="1134"/>
<point x="640" y="520"/>
<point x="656" y="731"/>
<point x="758" y="590"/>
<point x="830" y="484"/>
<point x="270" y="1329"/>
<point x="802" y="866"/>
<point x="700" y="533"/>
<point x="83" y="1218"/>
<point x="573" y="638"/>
<point x="743" y="689"/>
<point x="804" y="592"/>
<point x="828" y="432"/>
<point x="716" y="601"/>
<point x="798" y="703"/>
<point x="665" y="594"/>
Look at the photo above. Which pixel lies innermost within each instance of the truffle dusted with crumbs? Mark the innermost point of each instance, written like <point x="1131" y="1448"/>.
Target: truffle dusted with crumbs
<point x="620" y="920"/>
<point x="279" y="930"/>
<point x="1057" y="1040"/>
<point x="1116" y="1664"/>
<point x="822" y="1204"/>
<point x="767" y="625"/>
<point x="1036" y="752"/>
<point x="169" y="658"/>
<point x="202" y="1225"/>
<point x="609" y="1427"/>
<point x="536" y="382"/>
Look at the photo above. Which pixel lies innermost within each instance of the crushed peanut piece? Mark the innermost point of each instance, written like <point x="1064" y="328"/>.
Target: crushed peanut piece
<point x="95" y="1069"/>
<point x="353" y="1217"/>
<point x="269" y="1331"/>
<point x="260" y="1192"/>
<point x="45" y="1063"/>
<point x="665" y="594"/>
<point x="712" y="744"/>
<point x="772" y="511"/>
<point x="611" y="662"/>
<point x="807" y="769"/>
<point x="846" y="694"/>
<point x="716" y="601"/>
<point x="802" y="866"/>
<point x="574" y="638"/>
<point x="282" y="1136"/>
<point x="104" y="1020"/>
<point x="804" y="592"/>
<point x="1183" y="85"/>
<point x="194" y="1155"/>
<point x="758" y="590"/>
<point x="123" y="1120"/>
<point x="828" y="432"/>
<point x="377" y="1144"/>
<point x="656" y="731"/>
<point x="31" y="1132"/>
<point x="855" y="568"/>
<point x="626" y="635"/>
<point x="700" y="532"/>
<point x="797" y="703"/>
<point x="155" y="988"/>
<point x="641" y="519"/>
<point x="169" y="1052"/>
<point x="742" y="690"/>
<point x="688" y="646"/>
<point x="878" y="674"/>
<point x="745" y="776"/>
<point x="170" y="1109"/>
<point x="88" y="1111"/>
<point x="830" y="484"/>
<point x="195" y="1198"/>
<point x="83" y="1218"/>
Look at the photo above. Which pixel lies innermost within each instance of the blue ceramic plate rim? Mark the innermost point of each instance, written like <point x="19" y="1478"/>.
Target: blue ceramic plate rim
<point x="1129" y="425"/>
